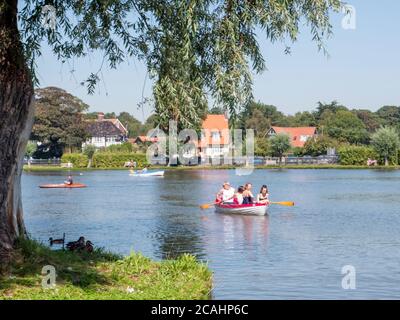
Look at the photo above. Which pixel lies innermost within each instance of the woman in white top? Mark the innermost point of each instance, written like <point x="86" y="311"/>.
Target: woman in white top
<point x="239" y="196"/>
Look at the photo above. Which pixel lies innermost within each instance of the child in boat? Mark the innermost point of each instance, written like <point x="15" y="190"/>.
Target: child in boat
<point x="248" y="197"/>
<point x="69" y="180"/>
<point x="226" y="194"/>
<point x="263" y="196"/>
<point x="239" y="196"/>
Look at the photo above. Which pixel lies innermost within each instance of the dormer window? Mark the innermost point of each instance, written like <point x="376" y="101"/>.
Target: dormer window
<point x="215" y="135"/>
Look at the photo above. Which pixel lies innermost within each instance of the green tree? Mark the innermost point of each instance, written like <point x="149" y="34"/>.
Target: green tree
<point x="386" y="142"/>
<point x="370" y="119"/>
<point x="133" y="125"/>
<point x="302" y="119"/>
<point x="390" y="116"/>
<point x="58" y="122"/>
<point x="319" y="145"/>
<point x="262" y="147"/>
<point x="344" y="126"/>
<point x="355" y="155"/>
<point x="328" y="108"/>
<point x="216" y="110"/>
<point x="31" y="148"/>
<point x="260" y="117"/>
<point x="150" y="123"/>
<point x="279" y="145"/>
<point x="89" y="151"/>
<point x="190" y="47"/>
<point x="259" y="123"/>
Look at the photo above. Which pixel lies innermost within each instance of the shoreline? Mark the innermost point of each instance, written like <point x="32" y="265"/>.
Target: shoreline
<point x="220" y="167"/>
<point x="102" y="275"/>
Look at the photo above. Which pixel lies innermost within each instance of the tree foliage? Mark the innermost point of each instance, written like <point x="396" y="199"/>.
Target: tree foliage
<point x="58" y="122"/>
<point x="344" y="126"/>
<point x="279" y="145"/>
<point x="355" y="155"/>
<point x="319" y="145"/>
<point x="191" y="48"/>
<point x="386" y="142"/>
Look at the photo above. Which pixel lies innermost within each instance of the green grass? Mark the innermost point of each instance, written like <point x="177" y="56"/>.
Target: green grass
<point x="102" y="275"/>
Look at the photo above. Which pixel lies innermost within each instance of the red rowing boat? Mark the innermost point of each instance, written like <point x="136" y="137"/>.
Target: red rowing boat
<point x="63" y="185"/>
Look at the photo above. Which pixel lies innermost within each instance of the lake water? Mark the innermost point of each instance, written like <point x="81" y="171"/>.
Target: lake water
<point x="341" y="217"/>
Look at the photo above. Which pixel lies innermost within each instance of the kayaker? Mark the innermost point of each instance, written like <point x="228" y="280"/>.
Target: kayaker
<point x="248" y="197"/>
<point x="239" y="196"/>
<point x="226" y="194"/>
<point x="263" y="196"/>
<point x="69" y="180"/>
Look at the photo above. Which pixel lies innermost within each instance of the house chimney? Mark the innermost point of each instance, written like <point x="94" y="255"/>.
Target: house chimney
<point x="100" y="116"/>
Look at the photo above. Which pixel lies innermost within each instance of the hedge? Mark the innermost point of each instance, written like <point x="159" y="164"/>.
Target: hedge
<point x="117" y="160"/>
<point x="356" y="155"/>
<point x="78" y="160"/>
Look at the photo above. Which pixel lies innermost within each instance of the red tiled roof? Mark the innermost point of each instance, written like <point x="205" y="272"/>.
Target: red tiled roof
<point x="213" y="123"/>
<point x="143" y="139"/>
<point x="296" y="133"/>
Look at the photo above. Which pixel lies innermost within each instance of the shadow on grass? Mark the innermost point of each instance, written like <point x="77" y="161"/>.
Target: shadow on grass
<point x="78" y="269"/>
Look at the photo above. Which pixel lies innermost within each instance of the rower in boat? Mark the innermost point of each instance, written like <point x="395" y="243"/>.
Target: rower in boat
<point x="226" y="194"/>
<point x="263" y="196"/>
<point x="238" y="199"/>
<point x="248" y="197"/>
<point x="69" y="180"/>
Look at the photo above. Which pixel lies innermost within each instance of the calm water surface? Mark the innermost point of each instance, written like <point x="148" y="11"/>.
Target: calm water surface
<point x="341" y="217"/>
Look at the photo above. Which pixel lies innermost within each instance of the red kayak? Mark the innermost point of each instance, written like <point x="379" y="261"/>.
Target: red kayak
<point x="64" y="185"/>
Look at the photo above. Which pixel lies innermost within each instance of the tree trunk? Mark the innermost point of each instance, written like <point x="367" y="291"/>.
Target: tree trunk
<point x="16" y="119"/>
<point x="386" y="161"/>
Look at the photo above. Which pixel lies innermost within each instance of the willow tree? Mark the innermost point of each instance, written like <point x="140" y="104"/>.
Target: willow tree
<point x="192" y="48"/>
<point x="209" y="48"/>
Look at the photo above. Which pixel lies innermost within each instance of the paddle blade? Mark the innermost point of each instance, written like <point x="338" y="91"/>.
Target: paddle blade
<point x="284" y="203"/>
<point x="205" y="206"/>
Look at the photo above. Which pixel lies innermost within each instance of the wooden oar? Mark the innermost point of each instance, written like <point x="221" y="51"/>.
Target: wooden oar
<point x="206" y="205"/>
<point x="284" y="203"/>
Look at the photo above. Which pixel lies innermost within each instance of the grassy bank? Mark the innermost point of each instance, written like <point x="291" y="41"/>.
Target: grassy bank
<point x="101" y="275"/>
<point x="222" y="167"/>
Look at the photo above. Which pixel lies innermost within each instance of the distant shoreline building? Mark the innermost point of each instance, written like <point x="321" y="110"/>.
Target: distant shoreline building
<point x="214" y="140"/>
<point x="298" y="135"/>
<point x="105" y="132"/>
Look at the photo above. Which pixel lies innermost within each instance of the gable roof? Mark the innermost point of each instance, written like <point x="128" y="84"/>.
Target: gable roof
<point x="102" y="129"/>
<point x="212" y="123"/>
<point x="215" y="122"/>
<point x="295" y="133"/>
<point x="118" y="124"/>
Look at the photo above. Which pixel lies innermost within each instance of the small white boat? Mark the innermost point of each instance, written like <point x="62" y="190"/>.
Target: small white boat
<point x="245" y="209"/>
<point x="147" y="174"/>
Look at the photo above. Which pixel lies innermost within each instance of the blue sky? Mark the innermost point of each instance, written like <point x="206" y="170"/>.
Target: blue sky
<point x="362" y="70"/>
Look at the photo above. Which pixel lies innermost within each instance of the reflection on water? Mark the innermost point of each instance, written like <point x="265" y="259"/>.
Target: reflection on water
<point x="341" y="217"/>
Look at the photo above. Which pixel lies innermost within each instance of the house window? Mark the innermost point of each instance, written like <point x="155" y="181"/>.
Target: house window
<point x="216" y="150"/>
<point x="215" y="135"/>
